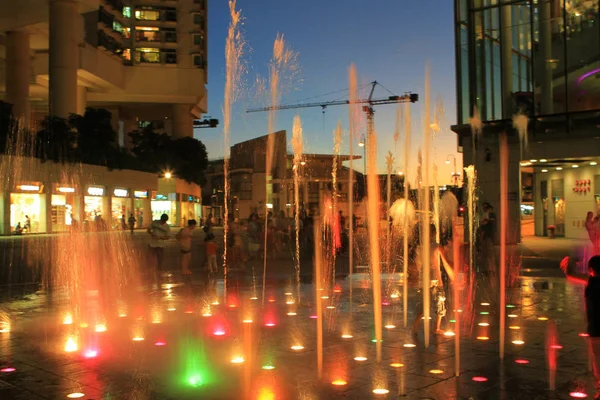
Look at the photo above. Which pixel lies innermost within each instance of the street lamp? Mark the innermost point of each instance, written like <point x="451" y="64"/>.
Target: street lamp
<point x="168" y="175"/>
<point x="455" y="175"/>
<point x="363" y="143"/>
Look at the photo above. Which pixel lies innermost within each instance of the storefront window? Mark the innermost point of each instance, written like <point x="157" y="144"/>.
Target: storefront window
<point x="62" y="212"/>
<point x="93" y="207"/>
<point x="26" y="210"/>
<point x="160" y="207"/>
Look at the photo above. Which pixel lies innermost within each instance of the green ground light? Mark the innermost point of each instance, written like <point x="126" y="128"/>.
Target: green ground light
<point x="196" y="368"/>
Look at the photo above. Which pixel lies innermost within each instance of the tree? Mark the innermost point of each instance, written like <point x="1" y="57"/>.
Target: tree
<point x="55" y="141"/>
<point x="6" y="124"/>
<point x="185" y="157"/>
<point x="96" y="139"/>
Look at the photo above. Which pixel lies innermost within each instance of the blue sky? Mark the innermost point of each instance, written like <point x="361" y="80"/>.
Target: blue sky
<point x="389" y="41"/>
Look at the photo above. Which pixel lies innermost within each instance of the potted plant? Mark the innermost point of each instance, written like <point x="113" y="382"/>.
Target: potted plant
<point x="551" y="229"/>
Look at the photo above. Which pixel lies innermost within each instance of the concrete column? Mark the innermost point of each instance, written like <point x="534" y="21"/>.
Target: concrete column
<point x="5" y="228"/>
<point x="18" y="73"/>
<point x="81" y="99"/>
<point x="65" y="36"/>
<point x="545" y="58"/>
<point x="507" y="67"/>
<point x="183" y="122"/>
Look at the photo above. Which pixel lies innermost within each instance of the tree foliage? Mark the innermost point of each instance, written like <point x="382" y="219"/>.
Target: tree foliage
<point x="186" y="157"/>
<point x="90" y="139"/>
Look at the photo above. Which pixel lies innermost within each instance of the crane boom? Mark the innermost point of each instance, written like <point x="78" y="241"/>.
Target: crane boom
<point x="409" y="97"/>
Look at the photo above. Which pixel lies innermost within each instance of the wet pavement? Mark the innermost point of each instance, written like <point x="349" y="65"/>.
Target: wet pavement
<point x="187" y="353"/>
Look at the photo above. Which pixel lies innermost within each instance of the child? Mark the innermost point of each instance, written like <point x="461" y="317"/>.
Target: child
<point x="211" y="252"/>
<point x="185" y="242"/>
<point x="438" y="295"/>
<point x="592" y="308"/>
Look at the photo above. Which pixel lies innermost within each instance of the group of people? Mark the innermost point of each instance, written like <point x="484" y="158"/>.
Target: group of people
<point x="160" y="232"/>
<point x="20" y="229"/>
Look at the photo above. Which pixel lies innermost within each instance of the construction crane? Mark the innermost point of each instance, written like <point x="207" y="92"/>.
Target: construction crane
<point x="367" y="108"/>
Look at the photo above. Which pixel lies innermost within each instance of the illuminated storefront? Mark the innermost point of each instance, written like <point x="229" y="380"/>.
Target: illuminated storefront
<point x="120" y="206"/>
<point x="93" y="203"/>
<point x="140" y="197"/>
<point x="28" y="208"/>
<point x="190" y="208"/>
<point x="165" y="204"/>
<point x="63" y="210"/>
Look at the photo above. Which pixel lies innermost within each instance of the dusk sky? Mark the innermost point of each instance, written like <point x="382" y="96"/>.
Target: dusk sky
<point x="389" y="41"/>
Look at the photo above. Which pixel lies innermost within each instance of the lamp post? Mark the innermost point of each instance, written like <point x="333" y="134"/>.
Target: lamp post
<point x="455" y="175"/>
<point x="363" y="143"/>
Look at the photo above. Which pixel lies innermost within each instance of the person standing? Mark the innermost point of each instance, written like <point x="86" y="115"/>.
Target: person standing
<point x="185" y="242"/>
<point x="131" y="222"/>
<point x="438" y="293"/>
<point x="27" y="226"/>
<point x="592" y="310"/>
<point x="160" y="232"/>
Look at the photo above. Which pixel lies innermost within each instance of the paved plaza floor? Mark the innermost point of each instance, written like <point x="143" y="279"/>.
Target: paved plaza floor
<point x="164" y="345"/>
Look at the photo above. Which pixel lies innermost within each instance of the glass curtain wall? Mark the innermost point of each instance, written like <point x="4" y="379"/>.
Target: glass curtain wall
<point x="537" y="56"/>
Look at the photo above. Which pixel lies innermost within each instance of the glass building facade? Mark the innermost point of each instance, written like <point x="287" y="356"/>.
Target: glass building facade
<point x="540" y="57"/>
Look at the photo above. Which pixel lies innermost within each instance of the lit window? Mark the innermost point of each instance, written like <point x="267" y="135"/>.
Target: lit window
<point x="147" y="15"/>
<point x="127" y="12"/>
<point x="126" y="33"/>
<point x="126" y="54"/>
<point x="147" y="55"/>
<point x="117" y="27"/>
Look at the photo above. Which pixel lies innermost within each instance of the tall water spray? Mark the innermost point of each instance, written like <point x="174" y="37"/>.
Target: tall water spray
<point x="389" y="160"/>
<point x="520" y="123"/>
<point x="407" y="133"/>
<point x="281" y="68"/>
<point x="426" y="238"/>
<point x="335" y="222"/>
<point x="233" y="71"/>
<point x="297" y="146"/>
<point x="353" y="114"/>
<point x="373" y="208"/>
<point x="476" y="130"/>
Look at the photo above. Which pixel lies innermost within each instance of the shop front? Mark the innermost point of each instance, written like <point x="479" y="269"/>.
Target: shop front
<point x="140" y="197"/>
<point x="165" y="204"/>
<point x="564" y="194"/>
<point x="62" y="208"/>
<point x="95" y="204"/>
<point x="190" y="208"/>
<point x="28" y="209"/>
<point x="120" y="208"/>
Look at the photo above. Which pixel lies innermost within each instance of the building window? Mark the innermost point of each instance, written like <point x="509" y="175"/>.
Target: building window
<point x="171" y="15"/>
<point x="199" y="61"/>
<point x="147" y="34"/>
<point x="147" y="15"/>
<point x="147" y="55"/>
<point x="126" y="54"/>
<point x="171" y="58"/>
<point x="199" y="40"/>
<point x="126" y="32"/>
<point x="171" y="36"/>
<point x="199" y="20"/>
<point x="117" y="27"/>
<point x="127" y="12"/>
